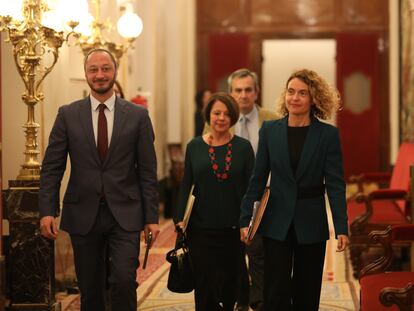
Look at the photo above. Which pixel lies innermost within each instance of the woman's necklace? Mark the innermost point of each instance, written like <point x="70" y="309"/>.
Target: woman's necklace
<point x="221" y="174"/>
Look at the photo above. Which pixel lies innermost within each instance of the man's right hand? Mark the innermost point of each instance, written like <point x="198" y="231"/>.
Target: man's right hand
<point x="48" y="227"/>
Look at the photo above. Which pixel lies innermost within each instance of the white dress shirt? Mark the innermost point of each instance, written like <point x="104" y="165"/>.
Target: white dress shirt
<point x="109" y="114"/>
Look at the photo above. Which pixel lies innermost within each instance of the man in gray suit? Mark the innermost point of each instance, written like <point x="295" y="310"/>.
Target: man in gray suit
<point x="112" y="191"/>
<point x="243" y="85"/>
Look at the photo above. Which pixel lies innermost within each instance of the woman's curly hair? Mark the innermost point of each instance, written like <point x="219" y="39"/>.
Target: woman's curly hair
<point x="324" y="98"/>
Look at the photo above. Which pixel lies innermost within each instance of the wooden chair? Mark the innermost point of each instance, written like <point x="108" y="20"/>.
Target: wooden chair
<point x="382" y="207"/>
<point x="388" y="291"/>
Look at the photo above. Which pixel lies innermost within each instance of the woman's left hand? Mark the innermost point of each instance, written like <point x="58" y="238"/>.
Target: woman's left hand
<point x="343" y="242"/>
<point x="243" y="234"/>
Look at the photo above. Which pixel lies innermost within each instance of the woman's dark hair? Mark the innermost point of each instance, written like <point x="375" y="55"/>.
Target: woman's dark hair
<point x="199" y="98"/>
<point x="228" y="101"/>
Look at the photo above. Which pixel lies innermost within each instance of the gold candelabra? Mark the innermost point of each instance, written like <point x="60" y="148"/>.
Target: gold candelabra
<point x="129" y="27"/>
<point x="31" y="42"/>
<point x="36" y="50"/>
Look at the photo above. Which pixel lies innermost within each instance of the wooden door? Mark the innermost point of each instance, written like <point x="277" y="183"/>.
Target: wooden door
<point x="227" y="53"/>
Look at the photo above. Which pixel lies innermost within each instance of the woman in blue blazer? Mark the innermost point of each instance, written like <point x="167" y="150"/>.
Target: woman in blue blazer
<point x="304" y="158"/>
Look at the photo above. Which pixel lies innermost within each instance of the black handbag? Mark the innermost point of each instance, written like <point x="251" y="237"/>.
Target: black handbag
<point x="180" y="277"/>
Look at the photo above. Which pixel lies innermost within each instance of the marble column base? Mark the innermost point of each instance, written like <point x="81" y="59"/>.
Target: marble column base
<point x="30" y="257"/>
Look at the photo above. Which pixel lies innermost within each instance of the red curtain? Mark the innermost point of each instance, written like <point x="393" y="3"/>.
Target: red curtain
<point x="227" y="53"/>
<point x="359" y="122"/>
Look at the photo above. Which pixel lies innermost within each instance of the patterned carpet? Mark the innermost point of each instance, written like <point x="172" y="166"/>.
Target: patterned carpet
<point x="155" y="265"/>
<point x="336" y="296"/>
<point x="339" y="291"/>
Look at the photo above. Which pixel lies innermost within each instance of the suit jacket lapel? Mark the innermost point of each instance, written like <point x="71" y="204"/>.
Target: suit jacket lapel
<point x="119" y="116"/>
<point x="310" y="146"/>
<point x="85" y="116"/>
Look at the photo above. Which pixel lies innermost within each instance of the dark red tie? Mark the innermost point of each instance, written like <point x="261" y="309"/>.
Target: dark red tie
<point x="102" y="133"/>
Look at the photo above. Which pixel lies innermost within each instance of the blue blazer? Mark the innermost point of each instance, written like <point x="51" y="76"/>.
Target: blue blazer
<point x="298" y="199"/>
<point x="128" y="176"/>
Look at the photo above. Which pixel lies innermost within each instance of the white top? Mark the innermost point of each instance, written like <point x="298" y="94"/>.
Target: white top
<point x="109" y="114"/>
<point x="252" y="126"/>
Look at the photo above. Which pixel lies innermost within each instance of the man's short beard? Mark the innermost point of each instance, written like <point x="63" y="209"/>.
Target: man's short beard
<point x="102" y="91"/>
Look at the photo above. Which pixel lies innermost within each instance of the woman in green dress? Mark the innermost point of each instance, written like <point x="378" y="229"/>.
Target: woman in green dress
<point x="219" y="165"/>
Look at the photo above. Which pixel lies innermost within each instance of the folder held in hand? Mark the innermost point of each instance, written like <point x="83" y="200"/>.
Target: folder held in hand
<point x="188" y="208"/>
<point x="259" y="208"/>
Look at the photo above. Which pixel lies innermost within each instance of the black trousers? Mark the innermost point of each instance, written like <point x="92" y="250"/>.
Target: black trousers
<point x="90" y="253"/>
<point x="243" y="291"/>
<point x="293" y="274"/>
<point x="251" y="278"/>
<point x="255" y="253"/>
<point x="215" y="256"/>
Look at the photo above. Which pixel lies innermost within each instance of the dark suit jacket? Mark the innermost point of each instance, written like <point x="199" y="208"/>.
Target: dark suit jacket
<point x="128" y="175"/>
<point x="320" y="163"/>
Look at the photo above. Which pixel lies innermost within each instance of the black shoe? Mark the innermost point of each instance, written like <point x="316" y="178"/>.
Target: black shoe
<point x="241" y="308"/>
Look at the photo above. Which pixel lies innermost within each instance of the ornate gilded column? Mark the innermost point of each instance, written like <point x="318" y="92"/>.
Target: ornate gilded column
<point x="29" y="257"/>
<point x="31" y="41"/>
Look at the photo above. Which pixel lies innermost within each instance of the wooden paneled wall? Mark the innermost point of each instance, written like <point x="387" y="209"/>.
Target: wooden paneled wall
<point x="283" y="19"/>
<point x="271" y="19"/>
